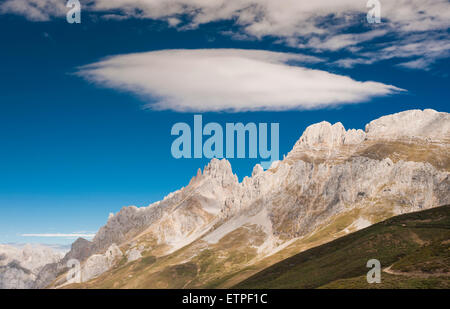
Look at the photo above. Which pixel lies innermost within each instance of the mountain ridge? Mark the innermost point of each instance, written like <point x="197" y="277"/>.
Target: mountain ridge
<point x="330" y="172"/>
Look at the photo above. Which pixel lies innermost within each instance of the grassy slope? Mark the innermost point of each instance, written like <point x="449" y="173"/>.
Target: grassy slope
<point x="436" y="155"/>
<point x="416" y="246"/>
<point x="392" y="282"/>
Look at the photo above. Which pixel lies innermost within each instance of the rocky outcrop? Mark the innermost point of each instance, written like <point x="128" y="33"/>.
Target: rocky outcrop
<point x="97" y="264"/>
<point x="428" y="124"/>
<point x="325" y="135"/>
<point x="133" y="254"/>
<point x="80" y="250"/>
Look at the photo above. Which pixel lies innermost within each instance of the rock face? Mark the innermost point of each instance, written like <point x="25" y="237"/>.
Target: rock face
<point x="399" y="164"/>
<point x="411" y="124"/>
<point x="19" y="266"/>
<point x="133" y="254"/>
<point x="325" y="135"/>
<point x="99" y="263"/>
<point x="80" y="250"/>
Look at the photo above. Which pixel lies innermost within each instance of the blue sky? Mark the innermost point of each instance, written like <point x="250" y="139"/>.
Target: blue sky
<point x="74" y="149"/>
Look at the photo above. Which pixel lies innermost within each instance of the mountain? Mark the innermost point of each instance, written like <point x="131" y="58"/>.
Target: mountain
<point x="217" y="231"/>
<point x="413" y="249"/>
<point x="20" y="265"/>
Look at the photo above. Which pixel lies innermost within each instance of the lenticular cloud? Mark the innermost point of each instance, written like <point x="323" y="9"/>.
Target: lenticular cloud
<point x="229" y="80"/>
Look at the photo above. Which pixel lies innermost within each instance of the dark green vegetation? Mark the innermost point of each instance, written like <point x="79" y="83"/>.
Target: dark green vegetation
<point x="392" y="282"/>
<point x="414" y="251"/>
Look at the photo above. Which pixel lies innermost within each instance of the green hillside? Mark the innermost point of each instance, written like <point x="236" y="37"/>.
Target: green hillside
<point x="413" y="249"/>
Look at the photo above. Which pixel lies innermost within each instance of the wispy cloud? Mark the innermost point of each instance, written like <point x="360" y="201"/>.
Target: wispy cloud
<point x="300" y="24"/>
<point x="230" y="80"/>
<point x="35" y="10"/>
<point x="418" y="51"/>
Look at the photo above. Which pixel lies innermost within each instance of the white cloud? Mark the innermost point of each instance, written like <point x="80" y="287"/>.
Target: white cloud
<point x="62" y="235"/>
<point x="340" y="41"/>
<point x="229" y="80"/>
<point x="318" y="25"/>
<point x="286" y="18"/>
<point x="416" y="64"/>
<point x="351" y="62"/>
<point x="35" y="10"/>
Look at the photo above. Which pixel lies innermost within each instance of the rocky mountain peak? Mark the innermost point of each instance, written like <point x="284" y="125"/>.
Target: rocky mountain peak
<point x="221" y="171"/>
<point x="80" y="249"/>
<point x="326" y="135"/>
<point x="258" y="169"/>
<point x="417" y="123"/>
